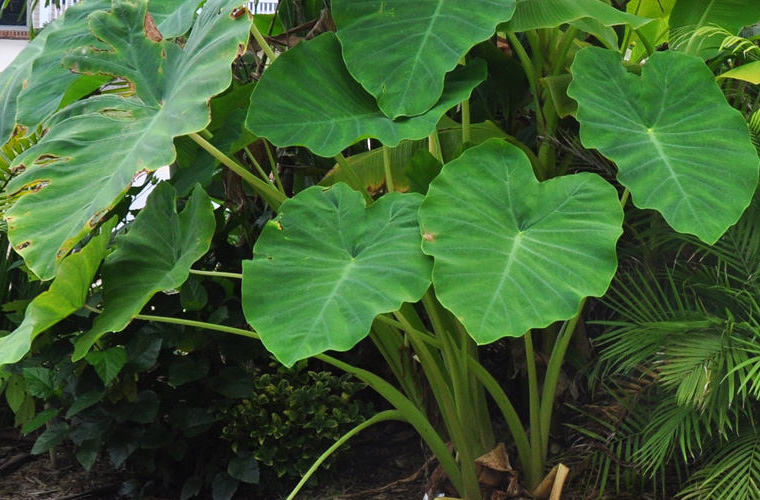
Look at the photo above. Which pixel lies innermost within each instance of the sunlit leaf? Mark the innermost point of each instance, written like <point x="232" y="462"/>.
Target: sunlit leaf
<point x="352" y="263"/>
<point x="400" y="50"/>
<point x="537" y="14"/>
<point x="154" y="255"/>
<point x="511" y="253"/>
<point x="326" y="111"/>
<point x="689" y="158"/>
<point x="749" y="72"/>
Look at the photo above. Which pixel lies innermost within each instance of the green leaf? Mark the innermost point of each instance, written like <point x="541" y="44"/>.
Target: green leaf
<point x="557" y="87"/>
<point x="421" y="171"/>
<point x="25" y="412"/>
<point x="12" y="82"/>
<point x="40" y="382"/>
<point x="191" y="487"/>
<point x="688" y="16"/>
<point x="537" y="14"/>
<point x="187" y="369"/>
<point x="46" y="84"/>
<point x="84" y="401"/>
<point x="155" y="255"/>
<point x="39" y="420"/>
<point x="749" y="72"/>
<point x="142" y="411"/>
<point x="143" y="349"/>
<point x="52" y="437"/>
<point x="233" y="383"/>
<point x="690" y="159"/>
<point x="370" y="168"/>
<point x="94" y="148"/>
<point x="15" y="392"/>
<point x="326" y="110"/>
<point x="400" y="51"/>
<point x="173" y="17"/>
<point x="108" y="363"/>
<point x="523" y="254"/>
<point x="193" y="295"/>
<point x="223" y="487"/>
<point x="355" y="262"/>
<point x="87" y="453"/>
<point x="655" y="32"/>
<point x="66" y="295"/>
<point x="245" y="469"/>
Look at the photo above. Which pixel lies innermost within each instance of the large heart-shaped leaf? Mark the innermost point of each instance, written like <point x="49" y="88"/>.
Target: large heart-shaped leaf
<point x="154" y="255"/>
<point x="400" y="50"/>
<point x="690" y="159"/>
<point x="326" y="111"/>
<point x="66" y="295"/>
<point x="327" y="266"/>
<point x="536" y="14"/>
<point x="512" y="253"/>
<point x="688" y="16"/>
<point x="94" y="148"/>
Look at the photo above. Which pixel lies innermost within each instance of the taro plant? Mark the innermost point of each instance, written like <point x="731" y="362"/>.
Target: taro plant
<point x="501" y="239"/>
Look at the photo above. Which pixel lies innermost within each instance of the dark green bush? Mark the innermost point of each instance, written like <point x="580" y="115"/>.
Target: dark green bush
<point x="293" y="416"/>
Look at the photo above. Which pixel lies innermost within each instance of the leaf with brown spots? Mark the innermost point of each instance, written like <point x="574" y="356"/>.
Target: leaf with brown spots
<point x="101" y="143"/>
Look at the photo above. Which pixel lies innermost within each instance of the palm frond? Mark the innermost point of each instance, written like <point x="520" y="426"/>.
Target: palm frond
<point x="731" y="473"/>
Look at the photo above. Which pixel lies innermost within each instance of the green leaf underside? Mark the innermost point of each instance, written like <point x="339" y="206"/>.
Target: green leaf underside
<point x="536" y="14"/>
<point x="690" y="15"/>
<point x="690" y="159"/>
<point x="328" y="266"/>
<point x="524" y="254"/>
<point x="326" y="111"/>
<point x="400" y="50"/>
<point x="155" y="255"/>
<point x="749" y="72"/>
<point x="370" y="168"/>
<point x="655" y="32"/>
<point x="94" y="148"/>
<point x="66" y="295"/>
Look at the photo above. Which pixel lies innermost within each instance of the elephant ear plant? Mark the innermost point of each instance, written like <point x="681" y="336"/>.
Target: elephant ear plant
<point x="504" y="242"/>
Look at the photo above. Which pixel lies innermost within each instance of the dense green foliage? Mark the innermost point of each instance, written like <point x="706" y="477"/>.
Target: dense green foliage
<point x="431" y="177"/>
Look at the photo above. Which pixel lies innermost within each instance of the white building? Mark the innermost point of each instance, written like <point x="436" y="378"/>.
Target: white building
<point x="15" y="23"/>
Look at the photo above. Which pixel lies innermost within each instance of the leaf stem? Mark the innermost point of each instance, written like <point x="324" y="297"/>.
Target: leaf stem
<point x="412" y="414"/>
<point x="351" y="172"/>
<point x="262" y="42"/>
<point x="273" y="166"/>
<point x="380" y="417"/>
<point x="199" y="324"/>
<point x="256" y="164"/>
<point x="406" y="408"/>
<point x="536" y="463"/>
<point x="272" y="196"/>
<point x="216" y="274"/>
<point x="387" y="166"/>
<point x="434" y="146"/>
